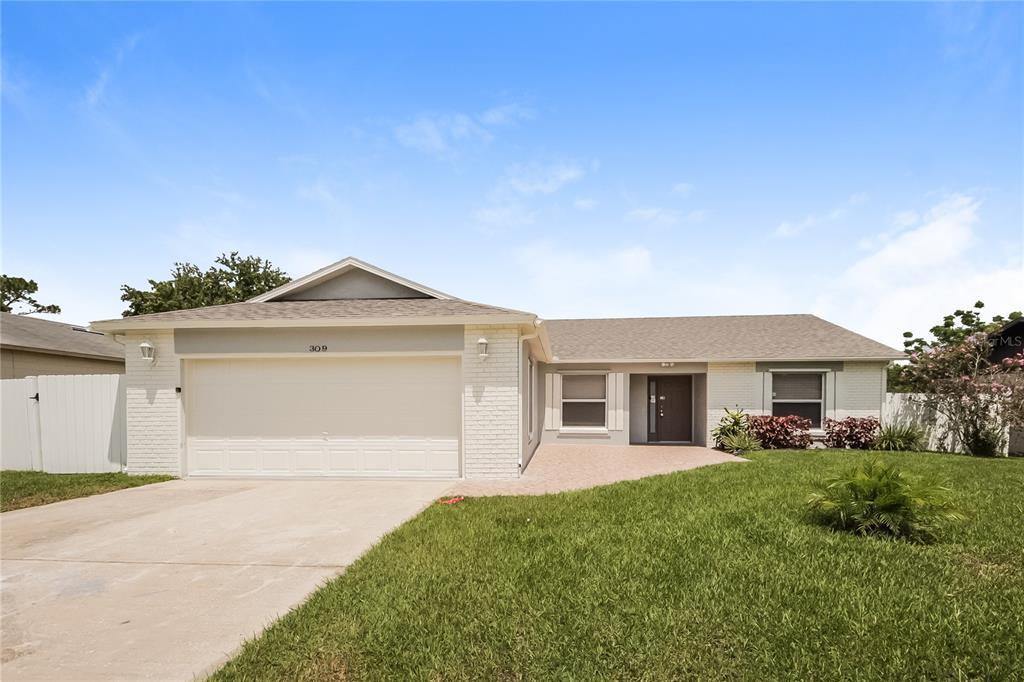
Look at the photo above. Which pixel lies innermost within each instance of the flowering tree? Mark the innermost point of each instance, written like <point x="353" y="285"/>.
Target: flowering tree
<point x="978" y="398"/>
<point x="951" y="331"/>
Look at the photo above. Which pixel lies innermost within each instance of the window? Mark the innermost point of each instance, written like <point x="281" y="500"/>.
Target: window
<point x="799" y="394"/>
<point x="531" y="391"/>
<point x="584" y="400"/>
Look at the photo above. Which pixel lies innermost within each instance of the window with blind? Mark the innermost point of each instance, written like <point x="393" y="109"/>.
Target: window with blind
<point x="801" y="394"/>
<point x="584" y="400"/>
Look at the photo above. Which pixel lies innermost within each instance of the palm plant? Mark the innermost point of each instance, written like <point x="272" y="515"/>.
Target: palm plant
<point x="740" y="442"/>
<point x="879" y="499"/>
<point x="734" y="422"/>
<point x="906" y="436"/>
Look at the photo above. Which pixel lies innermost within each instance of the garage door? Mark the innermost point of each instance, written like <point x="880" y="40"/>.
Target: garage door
<point x="394" y="417"/>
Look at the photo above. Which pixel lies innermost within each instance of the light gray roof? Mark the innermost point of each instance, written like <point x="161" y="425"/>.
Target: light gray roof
<point x="31" y="333"/>
<point x="312" y="311"/>
<point x="733" y="337"/>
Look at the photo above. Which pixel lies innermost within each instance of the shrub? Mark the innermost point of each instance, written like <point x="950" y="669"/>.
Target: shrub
<point x="875" y="499"/>
<point x="734" y="422"/>
<point x="780" y="432"/>
<point x="740" y="442"/>
<point x="900" y="437"/>
<point x="986" y="441"/>
<point x="857" y="433"/>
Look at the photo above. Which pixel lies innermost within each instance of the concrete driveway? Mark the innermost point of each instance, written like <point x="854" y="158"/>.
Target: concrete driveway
<point x="166" y="581"/>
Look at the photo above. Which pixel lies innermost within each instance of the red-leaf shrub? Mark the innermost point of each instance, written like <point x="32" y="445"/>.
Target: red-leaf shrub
<point x="857" y="433"/>
<point x="781" y="432"/>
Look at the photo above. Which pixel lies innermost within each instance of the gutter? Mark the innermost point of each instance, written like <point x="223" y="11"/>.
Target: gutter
<point x="127" y="325"/>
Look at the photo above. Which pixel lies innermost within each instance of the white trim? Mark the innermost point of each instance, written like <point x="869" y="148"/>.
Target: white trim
<point x="800" y="370"/>
<point x="597" y="430"/>
<point x="344" y="265"/>
<point x="531" y="397"/>
<point x="127" y="325"/>
<point x="822" y="401"/>
<point x="328" y="354"/>
<point x="654" y="361"/>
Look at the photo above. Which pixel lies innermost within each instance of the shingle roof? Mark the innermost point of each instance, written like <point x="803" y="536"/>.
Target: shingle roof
<point x="345" y="309"/>
<point x="31" y="333"/>
<point x="734" y="337"/>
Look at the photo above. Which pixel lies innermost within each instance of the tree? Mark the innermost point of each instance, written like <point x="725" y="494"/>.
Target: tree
<point x="18" y="291"/>
<point x="230" y="280"/>
<point x="953" y="330"/>
<point x="979" y="399"/>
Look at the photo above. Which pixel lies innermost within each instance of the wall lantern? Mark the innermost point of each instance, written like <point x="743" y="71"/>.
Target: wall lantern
<point x="481" y="347"/>
<point x="148" y="351"/>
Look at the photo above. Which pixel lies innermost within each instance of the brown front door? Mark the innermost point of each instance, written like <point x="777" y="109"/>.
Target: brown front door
<point x="672" y="402"/>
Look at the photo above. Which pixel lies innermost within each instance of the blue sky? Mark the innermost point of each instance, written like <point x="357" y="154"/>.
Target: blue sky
<point x="862" y="162"/>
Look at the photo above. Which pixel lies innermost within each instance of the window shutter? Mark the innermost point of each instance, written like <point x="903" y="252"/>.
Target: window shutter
<point x="552" y="401"/>
<point x="616" y="401"/>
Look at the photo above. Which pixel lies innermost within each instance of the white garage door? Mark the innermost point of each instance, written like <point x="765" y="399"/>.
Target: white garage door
<point x="393" y="417"/>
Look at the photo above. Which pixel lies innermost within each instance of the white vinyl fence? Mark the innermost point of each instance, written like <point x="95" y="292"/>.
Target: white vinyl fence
<point x="907" y="408"/>
<point x="63" y="424"/>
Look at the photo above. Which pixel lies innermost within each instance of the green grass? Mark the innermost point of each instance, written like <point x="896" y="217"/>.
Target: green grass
<point x="714" y="573"/>
<point x="20" y="489"/>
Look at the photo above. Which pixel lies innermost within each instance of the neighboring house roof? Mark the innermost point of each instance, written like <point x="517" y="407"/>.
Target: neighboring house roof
<point x="20" y="332"/>
<point x="733" y="337"/>
<point x="360" y="311"/>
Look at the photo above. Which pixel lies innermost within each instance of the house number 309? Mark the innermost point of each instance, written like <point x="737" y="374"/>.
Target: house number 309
<point x="318" y="349"/>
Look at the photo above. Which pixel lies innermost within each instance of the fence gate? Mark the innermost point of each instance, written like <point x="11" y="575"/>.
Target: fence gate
<point x="63" y="423"/>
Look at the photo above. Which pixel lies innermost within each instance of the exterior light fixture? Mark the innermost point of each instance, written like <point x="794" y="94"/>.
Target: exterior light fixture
<point x="481" y="347"/>
<point x="668" y="364"/>
<point x="148" y="351"/>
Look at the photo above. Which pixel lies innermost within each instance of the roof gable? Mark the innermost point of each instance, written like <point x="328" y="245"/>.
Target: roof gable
<point x="349" y="279"/>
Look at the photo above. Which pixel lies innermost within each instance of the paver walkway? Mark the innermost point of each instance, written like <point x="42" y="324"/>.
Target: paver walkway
<point x="555" y="468"/>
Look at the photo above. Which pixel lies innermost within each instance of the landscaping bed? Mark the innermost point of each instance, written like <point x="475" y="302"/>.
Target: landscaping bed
<point x="714" y="573"/>
<point x="20" y="489"/>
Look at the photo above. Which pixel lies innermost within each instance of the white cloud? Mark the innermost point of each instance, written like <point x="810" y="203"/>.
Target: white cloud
<point x="505" y="214"/>
<point x="905" y="219"/>
<point x="941" y="241"/>
<point x="653" y="215"/>
<point x="907" y="283"/>
<point x="585" y="281"/>
<point x="320" y="191"/>
<point x="792" y="228"/>
<point x="507" y="114"/>
<point x="506" y="205"/>
<point x="439" y="134"/>
<point x="537" y="178"/>
<point x="95" y="92"/>
<point x="584" y="204"/>
<point x="683" y="189"/>
<point x="911" y="280"/>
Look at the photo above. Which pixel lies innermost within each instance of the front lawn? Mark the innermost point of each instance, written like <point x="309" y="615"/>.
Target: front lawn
<point x="713" y="573"/>
<point x="20" y="489"/>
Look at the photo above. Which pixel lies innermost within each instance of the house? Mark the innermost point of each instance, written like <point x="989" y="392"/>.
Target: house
<point x="355" y="371"/>
<point x="1008" y="341"/>
<point x="33" y="347"/>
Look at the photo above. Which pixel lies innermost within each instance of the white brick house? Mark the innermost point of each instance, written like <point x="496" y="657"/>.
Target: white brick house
<point x="352" y="371"/>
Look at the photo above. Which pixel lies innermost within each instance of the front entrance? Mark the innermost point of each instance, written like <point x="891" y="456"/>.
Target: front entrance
<point x="670" y="409"/>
